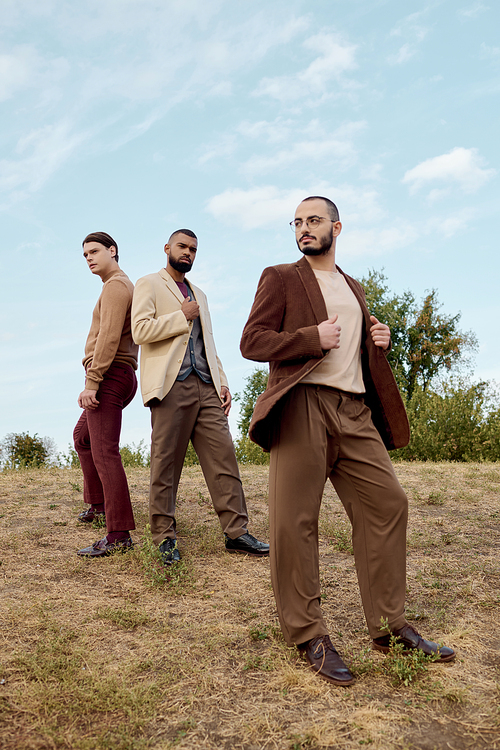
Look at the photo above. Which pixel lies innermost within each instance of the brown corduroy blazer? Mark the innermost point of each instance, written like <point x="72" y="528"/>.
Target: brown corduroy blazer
<point x="283" y="330"/>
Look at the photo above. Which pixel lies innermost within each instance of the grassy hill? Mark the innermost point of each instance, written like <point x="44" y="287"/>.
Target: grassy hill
<point x="119" y="654"/>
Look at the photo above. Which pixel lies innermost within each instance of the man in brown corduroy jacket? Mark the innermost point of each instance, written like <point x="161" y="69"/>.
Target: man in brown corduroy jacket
<point x="330" y="411"/>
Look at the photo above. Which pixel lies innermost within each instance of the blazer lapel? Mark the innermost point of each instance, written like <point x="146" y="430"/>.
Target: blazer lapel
<point x="171" y="285"/>
<point x="312" y="290"/>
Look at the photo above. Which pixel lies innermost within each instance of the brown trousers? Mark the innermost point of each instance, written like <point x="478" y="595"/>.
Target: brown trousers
<point x="192" y="410"/>
<point x="323" y="433"/>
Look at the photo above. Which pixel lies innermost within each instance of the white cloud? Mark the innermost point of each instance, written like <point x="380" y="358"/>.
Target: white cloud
<point x="414" y="32"/>
<point x="42" y="152"/>
<point x="23" y="68"/>
<point x="335" y="58"/>
<point x="472" y="11"/>
<point x="461" y="166"/>
<point x="255" y="208"/>
<point x="376" y="241"/>
<point x="267" y="205"/>
<point x="411" y="26"/>
<point x="336" y="147"/>
<point x="449" y="226"/>
<point x="489" y="53"/>
<point x="270" y="132"/>
<point x="405" y="53"/>
<point x="225" y="147"/>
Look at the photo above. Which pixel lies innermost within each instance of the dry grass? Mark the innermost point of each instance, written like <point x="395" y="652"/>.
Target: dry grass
<point x="103" y="654"/>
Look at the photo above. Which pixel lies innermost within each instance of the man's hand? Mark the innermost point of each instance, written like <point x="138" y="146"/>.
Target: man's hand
<point x="87" y="399"/>
<point x="329" y="333"/>
<point x="226" y="399"/>
<point x="381" y="334"/>
<point x="190" y="308"/>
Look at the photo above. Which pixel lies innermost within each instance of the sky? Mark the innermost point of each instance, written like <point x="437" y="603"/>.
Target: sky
<point x="139" y="117"/>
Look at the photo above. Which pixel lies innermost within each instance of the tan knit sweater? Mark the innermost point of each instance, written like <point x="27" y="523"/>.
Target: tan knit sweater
<point x="110" y="339"/>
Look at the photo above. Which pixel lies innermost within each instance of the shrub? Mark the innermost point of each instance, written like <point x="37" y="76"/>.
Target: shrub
<point x="135" y="455"/>
<point x="250" y="453"/>
<point x="456" y="423"/>
<point x="22" y="450"/>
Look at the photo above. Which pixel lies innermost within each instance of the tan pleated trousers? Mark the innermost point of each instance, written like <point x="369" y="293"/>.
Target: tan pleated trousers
<point x="325" y="434"/>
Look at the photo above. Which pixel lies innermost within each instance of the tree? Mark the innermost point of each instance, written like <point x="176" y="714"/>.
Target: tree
<point x="459" y="421"/>
<point x="425" y="343"/>
<point x="256" y="384"/>
<point x="22" y="450"/>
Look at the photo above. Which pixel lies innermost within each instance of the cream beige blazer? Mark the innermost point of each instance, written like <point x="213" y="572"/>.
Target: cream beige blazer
<point x="161" y="329"/>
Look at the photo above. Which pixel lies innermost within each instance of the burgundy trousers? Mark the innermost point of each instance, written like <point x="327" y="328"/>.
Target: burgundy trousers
<point x="97" y="441"/>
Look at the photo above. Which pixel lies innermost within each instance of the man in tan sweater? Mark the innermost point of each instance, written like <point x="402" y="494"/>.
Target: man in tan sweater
<point x="110" y="362"/>
<point x="330" y="410"/>
<point x="184" y="385"/>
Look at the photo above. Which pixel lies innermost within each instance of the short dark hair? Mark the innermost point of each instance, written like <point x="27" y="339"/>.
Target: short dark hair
<point x="104" y="239"/>
<point x="187" y="232"/>
<point x="330" y="206"/>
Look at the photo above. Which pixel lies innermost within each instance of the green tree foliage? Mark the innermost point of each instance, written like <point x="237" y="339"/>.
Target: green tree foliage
<point x="135" y="455"/>
<point x="255" y="384"/>
<point x="425" y="343"/>
<point x="248" y="452"/>
<point x="458" y="422"/>
<point x="22" y="450"/>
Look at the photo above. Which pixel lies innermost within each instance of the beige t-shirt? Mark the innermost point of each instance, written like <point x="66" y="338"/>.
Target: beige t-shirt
<point x="341" y="368"/>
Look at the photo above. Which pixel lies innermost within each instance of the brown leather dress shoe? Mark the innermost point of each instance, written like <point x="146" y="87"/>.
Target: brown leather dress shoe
<point x="325" y="660"/>
<point x="411" y="639"/>
<point x="103" y="548"/>
<point x="89" y="515"/>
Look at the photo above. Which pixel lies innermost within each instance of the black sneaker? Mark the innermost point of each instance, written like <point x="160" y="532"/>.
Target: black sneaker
<point x="169" y="551"/>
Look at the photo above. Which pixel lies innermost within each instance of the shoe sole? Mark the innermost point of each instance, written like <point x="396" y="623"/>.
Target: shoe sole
<point x="331" y="680"/>
<point x="386" y="650"/>
<point x="243" y="552"/>
<point x="107" y="553"/>
<point x="91" y="520"/>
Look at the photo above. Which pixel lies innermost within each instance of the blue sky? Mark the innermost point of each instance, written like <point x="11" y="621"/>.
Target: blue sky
<point x="137" y="117"/>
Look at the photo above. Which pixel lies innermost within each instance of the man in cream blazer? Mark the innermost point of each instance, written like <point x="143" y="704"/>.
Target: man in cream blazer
<point x="184" y="385"/>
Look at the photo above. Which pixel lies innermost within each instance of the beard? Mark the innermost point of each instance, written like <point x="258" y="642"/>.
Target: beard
<point x="324" y="246"/>
<point x="183" y="266"/>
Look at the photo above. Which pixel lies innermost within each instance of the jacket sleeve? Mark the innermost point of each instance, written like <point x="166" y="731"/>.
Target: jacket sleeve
<point x="147" y="326"/>
<point x="264" y="339"/>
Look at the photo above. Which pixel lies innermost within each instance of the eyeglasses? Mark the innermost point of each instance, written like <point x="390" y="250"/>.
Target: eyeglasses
<point x="312" y="222"/>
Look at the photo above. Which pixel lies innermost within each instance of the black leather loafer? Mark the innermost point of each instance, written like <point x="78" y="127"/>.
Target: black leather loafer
<point x="411" y="639"/>
<point x="169" y="552"/>
<point x="324" y="659"/>
<point x="246" y="545"/>
<point x="103" y="548"/>
<point x="89" y="515"/>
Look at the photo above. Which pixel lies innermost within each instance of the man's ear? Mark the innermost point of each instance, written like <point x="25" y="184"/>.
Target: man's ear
<point x="167" y="248"/>
<point x="113" y="251"/>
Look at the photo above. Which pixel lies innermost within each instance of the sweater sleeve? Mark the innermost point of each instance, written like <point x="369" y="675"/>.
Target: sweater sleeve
<point x="109" y="314"/>
<point x="263" y="339"/>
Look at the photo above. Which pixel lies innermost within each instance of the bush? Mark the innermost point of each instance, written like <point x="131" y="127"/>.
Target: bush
<point x="135" y="455"/>
<point x="456" y="423"/>
<point x="250" y="453"/>
<point x="22" y="450"/>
